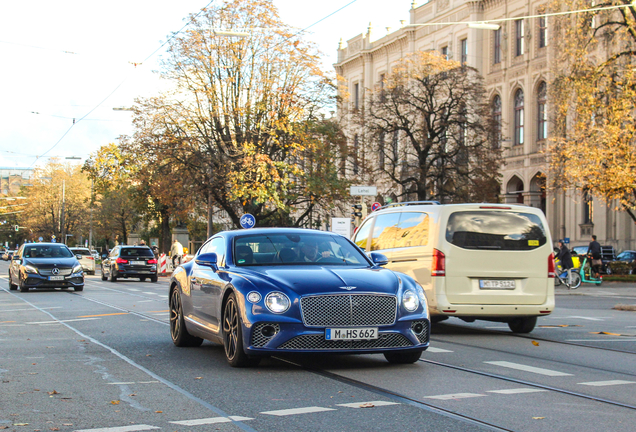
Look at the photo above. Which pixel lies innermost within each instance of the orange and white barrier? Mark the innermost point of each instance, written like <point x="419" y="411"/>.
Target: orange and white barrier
<point x="163" y="263"/>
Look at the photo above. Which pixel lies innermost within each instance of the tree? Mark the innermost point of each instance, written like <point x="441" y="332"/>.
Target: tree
<point x="241" y="116"/>
<point x="58" y="202"/>
<point x="432" y="130"/>
<point x="593" y="90"/>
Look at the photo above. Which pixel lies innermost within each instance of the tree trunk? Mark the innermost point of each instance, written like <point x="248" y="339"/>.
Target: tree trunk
<point x="166" y="234"/>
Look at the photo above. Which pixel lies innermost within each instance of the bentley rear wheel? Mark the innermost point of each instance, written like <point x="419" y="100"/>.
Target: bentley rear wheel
<point x="178" y="331"/>
<point x="233" y="336"/>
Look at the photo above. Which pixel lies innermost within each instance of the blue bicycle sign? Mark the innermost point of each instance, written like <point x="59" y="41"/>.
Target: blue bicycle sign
<point x="248" y="221"/>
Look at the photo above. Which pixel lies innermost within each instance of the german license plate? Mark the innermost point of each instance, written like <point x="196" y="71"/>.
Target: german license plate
<point x="497" y="284"/>
<point x="138" y="262"/>
<point x="363" y="333"/>
<point x="55" y="278"/>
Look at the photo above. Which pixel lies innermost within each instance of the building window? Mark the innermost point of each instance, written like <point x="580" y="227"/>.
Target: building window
<point x="445" y="52"/>
<point x="356" y="96"/>
<point x="497" y="47"/>
<point x="381" y="150"/>
<point x="464" y="47"/>
<point x="542" y="112"/>
<point x="356" y="145"/>
<point x="496" y="115"/>
<point x="519" y="48"/>
<point x="518" y="139"/>
<point x="543" y="32"/>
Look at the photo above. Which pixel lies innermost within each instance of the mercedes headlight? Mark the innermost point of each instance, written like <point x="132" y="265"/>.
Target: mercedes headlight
<point x="410" y="301"/>
<point x="77" y="268"/>
<point x="277" y="302"/>
<point x="30" y="269"/>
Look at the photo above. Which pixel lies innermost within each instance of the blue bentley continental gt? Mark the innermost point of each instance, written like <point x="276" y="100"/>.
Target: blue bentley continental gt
<point x="267" y="291"/>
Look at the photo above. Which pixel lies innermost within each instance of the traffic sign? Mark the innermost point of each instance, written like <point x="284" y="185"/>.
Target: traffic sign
<point x="363" y="190"/>
<point x="248" y="221"/>
<point x="375" y="206"/>
<point x="40" y="238"/>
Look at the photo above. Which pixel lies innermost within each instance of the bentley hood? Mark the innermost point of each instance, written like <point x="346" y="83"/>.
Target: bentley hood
<point x="307" y="280"/>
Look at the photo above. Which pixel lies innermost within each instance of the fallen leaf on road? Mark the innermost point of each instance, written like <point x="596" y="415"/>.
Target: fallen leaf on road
<point x="115" y="402"/>
<point x="158" y="412"/>
<point x="535" y="343"/>
<point x="54" y="429"/>
<point x="133" y="394"/>
<point x="198" y="378"/>
<point x="53" y="392"/>
<point x="367" y="405"/>
<point x="148" y="355"/>
<point x="67" y="424"/>
<point x="538" y="418"/>
<point x="20" y="424"/>
<point x="33" y="364"/>
<point x="4" y="427"/>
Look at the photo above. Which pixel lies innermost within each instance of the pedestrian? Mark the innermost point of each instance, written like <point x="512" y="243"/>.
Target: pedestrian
<point x="594" y="252"/>
<point x="565" y="257"/>
<point x="142" y="242"/>
<point x="176" y="253"/>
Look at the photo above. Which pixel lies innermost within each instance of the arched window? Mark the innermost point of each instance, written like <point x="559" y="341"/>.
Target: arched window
<point x="542" y="112"/>
<point x="518" y="138"/>
<point x="496" y="115"/>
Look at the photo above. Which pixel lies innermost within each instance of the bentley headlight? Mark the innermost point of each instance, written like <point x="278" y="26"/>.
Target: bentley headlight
<point x="30" y="269"/>
<point x="410" y="300"/>
<point x="77" y="268"/>
<point x="277" y="302"/>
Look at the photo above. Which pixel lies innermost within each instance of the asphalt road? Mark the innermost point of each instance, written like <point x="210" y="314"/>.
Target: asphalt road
<point x="103" y="360"/>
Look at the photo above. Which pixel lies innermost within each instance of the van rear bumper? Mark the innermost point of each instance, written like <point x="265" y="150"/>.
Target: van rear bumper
<point x="495" y="311"/>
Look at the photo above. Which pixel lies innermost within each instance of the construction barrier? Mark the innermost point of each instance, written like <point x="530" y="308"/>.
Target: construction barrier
<point x="163" y="263"/>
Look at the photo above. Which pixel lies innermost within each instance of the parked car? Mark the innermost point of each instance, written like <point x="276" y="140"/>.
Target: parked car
<point x="130" y="262"/>
<point x="86" y="259"/>
<point x="45" y="265"/>
<point x="95" y="254"/>
<point x="269" y="291"/>
<point x="625" y="263"/>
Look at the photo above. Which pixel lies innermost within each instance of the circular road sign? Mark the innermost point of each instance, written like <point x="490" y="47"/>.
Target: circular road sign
<point x="40" y="238"/>
<point x="248" y="221"/>
<point x="375" y="206"/>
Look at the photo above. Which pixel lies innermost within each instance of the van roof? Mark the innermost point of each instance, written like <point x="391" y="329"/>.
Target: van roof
<point x="435" y="205"/>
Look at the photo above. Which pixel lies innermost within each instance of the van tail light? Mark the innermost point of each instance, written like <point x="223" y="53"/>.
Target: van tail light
<point x="121" y="261"/>
<point x="438" y="266"/>
<point x="551" y="268"/>
<point x="152" y="261"/>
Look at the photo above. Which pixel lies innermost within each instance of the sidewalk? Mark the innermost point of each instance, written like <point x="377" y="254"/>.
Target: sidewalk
<point x="622" y="288"/>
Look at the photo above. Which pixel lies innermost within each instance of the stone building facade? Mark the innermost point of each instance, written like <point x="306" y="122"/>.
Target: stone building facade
<point x="514" y="63"/>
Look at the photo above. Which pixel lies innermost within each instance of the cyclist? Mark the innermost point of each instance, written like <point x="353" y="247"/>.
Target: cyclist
<point x="565" y="257"/>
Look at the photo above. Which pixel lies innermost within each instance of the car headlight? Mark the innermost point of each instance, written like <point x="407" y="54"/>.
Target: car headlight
<point x="77" y="268"/>
<point x="410" y="301"/>
<point x="277" y="302"/>
<point x="253" y="297"/>
<point x="30" y="269"/>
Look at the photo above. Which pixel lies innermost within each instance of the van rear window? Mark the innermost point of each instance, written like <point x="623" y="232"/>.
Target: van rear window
<point x="495" y="230"/>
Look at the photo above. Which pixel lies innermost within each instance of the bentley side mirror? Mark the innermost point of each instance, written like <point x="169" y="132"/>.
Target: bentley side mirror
<point x="207" y="260"/>
<point x="379" y="259"/>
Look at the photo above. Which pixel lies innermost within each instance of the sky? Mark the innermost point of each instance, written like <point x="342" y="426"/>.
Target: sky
<point x="65" y="64"/>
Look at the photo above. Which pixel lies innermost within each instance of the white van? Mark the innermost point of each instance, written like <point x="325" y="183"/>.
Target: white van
<point x="475" y="261"/>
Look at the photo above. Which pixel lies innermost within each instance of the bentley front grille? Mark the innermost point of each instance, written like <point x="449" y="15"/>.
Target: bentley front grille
<point x="420" y="328"/>
<point x="318" y="342"/>
<point x="349" y="310"/>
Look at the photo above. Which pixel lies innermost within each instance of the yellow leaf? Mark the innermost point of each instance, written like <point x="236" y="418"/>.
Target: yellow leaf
<point x="115" y="402"/>
<point x="535" y="343"/>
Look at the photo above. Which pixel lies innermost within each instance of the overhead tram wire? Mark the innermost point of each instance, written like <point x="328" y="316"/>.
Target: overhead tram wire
<point x="122" y="82"/>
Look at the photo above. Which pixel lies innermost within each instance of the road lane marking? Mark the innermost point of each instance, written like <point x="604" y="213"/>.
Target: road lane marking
<point x="294" y="411"/>
<point x="368" y="404"/>
<point x="132" y="382"/>
<point x="454" y="396"/>
<point x="132" y="289"/>
<point x="61" y="321"/>
<point x="131" y="428"/>
<point x="516" y="391"/>
<point x="211" y="420"/>
<point x="624" y="339"/>
<point x="526" y="368"/>
<point x="151" y="293"/>
<point x="437" y="350"/>
<point x="607" y="383"/>
<point x="103" y="315"/>
<point x="583" y="318"/>
<point x="29" y="309"/>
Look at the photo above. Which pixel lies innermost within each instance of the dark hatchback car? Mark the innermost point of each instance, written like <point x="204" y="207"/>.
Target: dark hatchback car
<point x="625" y="263"/>
<point x="45" y="265"/>
<point x="130" y="262"/>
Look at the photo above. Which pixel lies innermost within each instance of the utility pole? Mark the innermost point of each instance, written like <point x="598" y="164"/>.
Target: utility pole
<point x="90" y="230"/>
<point x="62" y="227"/>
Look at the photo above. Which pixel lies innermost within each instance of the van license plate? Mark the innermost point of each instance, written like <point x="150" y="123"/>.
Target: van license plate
<point x="56" y="278"/>
<point x="364" y="333"/>
<point x="497" y="284"/>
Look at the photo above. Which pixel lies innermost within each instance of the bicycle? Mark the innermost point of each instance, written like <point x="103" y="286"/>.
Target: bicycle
<point x="561" y="277"/>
